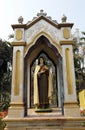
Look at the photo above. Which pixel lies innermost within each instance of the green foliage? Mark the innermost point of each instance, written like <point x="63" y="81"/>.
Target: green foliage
<point x="6" y="82"/>
<point x="79" y="63"/>
<point x="5" y="74"/>
<point x="11" y="36"/>
<point x="83" y="37"/>
<point x="5" y="57"/>
<point x="2" y="124"/>
<point x="5" y="102"/>
<point x="5" y="51"/>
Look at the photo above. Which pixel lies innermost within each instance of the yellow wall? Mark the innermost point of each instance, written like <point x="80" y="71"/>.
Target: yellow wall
<point x="82" y="99"/>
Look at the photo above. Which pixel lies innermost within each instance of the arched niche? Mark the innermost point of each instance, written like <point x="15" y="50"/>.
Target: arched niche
<point x="42" y="45"/>
<point x="52" y="66"/>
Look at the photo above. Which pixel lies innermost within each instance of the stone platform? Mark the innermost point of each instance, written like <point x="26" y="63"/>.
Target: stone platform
<point x="46" y="123"/>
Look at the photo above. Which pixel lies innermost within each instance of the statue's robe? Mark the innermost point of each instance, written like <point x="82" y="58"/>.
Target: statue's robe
<point x="43" y="87"/>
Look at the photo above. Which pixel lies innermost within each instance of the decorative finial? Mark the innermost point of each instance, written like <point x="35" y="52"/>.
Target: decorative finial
<point x="20" y="20"/>
<point x="64" y="18"/>
<point x="41" y="13"/>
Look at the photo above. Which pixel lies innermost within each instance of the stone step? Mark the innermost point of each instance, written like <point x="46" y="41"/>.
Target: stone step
<point x="46" y="123"/>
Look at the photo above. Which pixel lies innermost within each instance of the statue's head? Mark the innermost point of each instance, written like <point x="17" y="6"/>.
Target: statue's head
<point x="41" y="60"/>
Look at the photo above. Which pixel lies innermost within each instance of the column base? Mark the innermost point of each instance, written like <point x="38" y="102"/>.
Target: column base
<point x="71" y="109"/>
<point x="16" y="110"/>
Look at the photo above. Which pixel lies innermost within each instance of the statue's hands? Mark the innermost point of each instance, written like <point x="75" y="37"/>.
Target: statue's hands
<point x="41" y="72"/>
<point x="38" y="74"/>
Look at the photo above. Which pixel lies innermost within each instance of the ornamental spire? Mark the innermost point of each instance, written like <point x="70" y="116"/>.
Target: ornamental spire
<point x="41" y="13"/>
<point x="64" y="18"/>
<point x="20" y="20"/>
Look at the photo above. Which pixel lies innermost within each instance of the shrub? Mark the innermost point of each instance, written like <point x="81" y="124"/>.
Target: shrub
<point x="2" y="124"/>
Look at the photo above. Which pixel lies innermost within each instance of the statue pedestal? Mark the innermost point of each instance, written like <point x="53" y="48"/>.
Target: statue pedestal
<point x="39" y="113"/>
<point x="43" y="110"/>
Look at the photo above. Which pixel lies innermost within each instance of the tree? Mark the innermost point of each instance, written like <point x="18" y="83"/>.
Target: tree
<point x="11" y="36"/>
<point x="83" y="37"/>
<point x="83" y="48"/>
<point x="79" y="62"/>
<point x="5" y="73"/>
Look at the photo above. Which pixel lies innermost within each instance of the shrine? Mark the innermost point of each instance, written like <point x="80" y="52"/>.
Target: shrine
<point x="43" y="37"/>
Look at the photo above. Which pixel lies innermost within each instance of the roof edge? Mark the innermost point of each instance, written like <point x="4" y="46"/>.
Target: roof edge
<point x="26" y="26"/>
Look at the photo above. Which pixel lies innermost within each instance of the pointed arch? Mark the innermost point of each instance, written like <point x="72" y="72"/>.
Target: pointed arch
<point x="42" y="44"/>
<point x="46" y="35"/>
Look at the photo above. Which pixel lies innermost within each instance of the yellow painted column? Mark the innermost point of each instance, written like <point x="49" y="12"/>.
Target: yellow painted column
<point x="16" y="109"/>
<point x="17" y="106"/>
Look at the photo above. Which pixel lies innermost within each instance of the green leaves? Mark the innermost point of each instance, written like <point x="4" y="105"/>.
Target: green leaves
<point x="83" y="37"/>
<point x="2" y="124"/>
<point x="5" y="74"/>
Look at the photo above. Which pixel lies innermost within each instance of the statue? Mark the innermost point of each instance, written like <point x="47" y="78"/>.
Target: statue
<point x="43" y="87"/>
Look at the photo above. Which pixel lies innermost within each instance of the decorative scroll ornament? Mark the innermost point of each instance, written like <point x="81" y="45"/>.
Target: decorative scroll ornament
<point x="66" y="33"/>
<point x="19" y="34"/>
